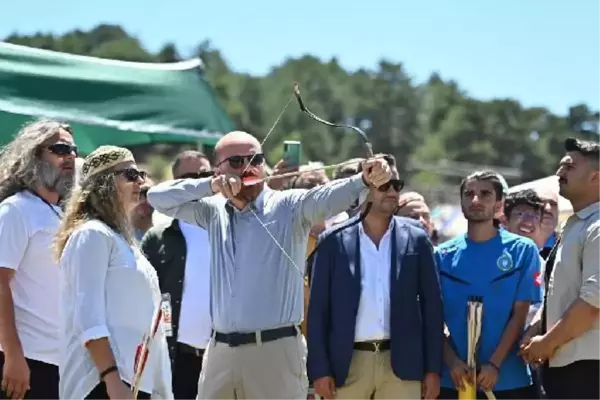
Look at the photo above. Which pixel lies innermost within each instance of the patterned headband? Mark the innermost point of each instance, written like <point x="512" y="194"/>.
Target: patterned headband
<point x="103" y="158"/>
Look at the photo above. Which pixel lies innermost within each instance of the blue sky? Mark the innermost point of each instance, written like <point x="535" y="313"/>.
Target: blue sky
<point x="541" y="52"/>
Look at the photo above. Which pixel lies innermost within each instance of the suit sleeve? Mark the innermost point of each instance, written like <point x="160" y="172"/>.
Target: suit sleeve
<point x="318" y="315"/>
<point x="431" y="306"/>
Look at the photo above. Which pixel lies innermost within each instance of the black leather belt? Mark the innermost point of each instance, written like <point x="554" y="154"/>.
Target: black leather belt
<point x="239" y="339"/>
<point x="374" y="346"/>
<point x="187" y="349"/>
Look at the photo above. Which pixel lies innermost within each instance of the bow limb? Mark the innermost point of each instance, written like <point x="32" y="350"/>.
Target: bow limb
<point x="366" y="143"/>
<point x="365" y="140"/>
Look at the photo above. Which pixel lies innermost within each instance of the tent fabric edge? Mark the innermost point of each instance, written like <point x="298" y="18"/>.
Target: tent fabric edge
<point x="177" y="66"/>
<point x="94" y="120"/>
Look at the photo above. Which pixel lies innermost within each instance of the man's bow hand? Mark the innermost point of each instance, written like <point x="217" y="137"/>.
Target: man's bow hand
<point x="376" y="172"/>
<point x="325" y="387"/>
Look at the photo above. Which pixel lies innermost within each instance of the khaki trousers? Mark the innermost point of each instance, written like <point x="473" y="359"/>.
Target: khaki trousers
<point x="371" y="374"/>
<point x="271" y="370"/>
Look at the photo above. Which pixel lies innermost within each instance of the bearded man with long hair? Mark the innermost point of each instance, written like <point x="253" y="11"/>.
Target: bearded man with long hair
<point x="36" y="172"/>
<point x="109" y="290"/>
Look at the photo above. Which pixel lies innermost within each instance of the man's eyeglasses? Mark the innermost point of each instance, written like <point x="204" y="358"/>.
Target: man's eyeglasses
<point x="64" y="149"/>
<point x="397" y="184"/>
<point x="196" y="175"/>
<point x="132" y="174"/>
<point x="527" y="216"/>
<point x="237" y="162"/>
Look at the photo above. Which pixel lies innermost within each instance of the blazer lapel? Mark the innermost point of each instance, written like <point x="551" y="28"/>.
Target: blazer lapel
<point x="352" y="247"/>
<point x="399" y="247"/>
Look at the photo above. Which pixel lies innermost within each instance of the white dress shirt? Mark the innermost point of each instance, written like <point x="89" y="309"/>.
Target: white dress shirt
<point x="194" y="318"/>
<point x="27" y="228"/>
<point x="110" y="290"/>
<point x="373" y="318"/>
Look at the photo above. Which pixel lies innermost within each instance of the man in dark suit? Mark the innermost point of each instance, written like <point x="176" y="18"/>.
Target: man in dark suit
<point x="375" y="319"/>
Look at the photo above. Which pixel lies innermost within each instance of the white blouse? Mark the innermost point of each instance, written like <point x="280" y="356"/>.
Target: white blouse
<point x="108" y="289"/>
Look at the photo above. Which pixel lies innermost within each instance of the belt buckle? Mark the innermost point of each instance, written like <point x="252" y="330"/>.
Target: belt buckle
<point x="376" y="345"/>
<point x="233" y="339"/>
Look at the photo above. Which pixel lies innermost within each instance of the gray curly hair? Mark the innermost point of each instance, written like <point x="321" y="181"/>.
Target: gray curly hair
<point x="21" y="164"/>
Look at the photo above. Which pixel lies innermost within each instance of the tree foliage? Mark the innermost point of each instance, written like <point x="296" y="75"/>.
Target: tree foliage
<point x="437" y="132"/>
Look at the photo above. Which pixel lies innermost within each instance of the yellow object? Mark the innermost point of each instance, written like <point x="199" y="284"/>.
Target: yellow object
<point x="468" y="394"/>
<point x="312" y="243"/>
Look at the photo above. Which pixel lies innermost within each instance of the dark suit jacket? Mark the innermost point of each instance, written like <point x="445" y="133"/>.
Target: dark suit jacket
<point x="416" y="314"/>
<point x="165" y="247"/>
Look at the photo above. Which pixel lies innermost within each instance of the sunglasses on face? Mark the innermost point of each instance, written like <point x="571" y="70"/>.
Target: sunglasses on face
<point x="237" y="162"/>
<point x="397" y="184"/>
<point x="132" y="174"/>
<point x="64" y="149"/>
<point x="196" y="175"/>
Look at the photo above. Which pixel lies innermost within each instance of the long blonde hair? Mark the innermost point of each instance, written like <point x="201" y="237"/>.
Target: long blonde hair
<point x="97" y="198"/>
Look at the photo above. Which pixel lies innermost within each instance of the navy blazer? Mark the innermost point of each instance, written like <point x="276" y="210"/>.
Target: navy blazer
<point x="416" y="313"/>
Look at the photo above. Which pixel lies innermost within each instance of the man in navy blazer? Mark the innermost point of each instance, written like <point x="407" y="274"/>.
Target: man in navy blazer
<point x="375" y="317"/>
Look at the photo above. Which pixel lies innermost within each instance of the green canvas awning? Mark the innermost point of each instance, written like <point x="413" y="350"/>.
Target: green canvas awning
<point x="107" y="101"/>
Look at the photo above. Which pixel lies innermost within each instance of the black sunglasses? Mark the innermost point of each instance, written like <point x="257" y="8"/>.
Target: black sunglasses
<point x="132" y="174"/>
<point x="397" y="184"/>
<point x="239" y="161"/>
<point x="64" y="149"/>
<point x="196" y="175"/>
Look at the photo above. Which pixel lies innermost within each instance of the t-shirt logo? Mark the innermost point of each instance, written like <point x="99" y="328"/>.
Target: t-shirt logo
<point x="504" y="262"/>
<point x="538" y="279"/>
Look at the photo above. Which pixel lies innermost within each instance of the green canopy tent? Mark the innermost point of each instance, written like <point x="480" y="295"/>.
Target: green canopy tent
<point x="108" y="101"/>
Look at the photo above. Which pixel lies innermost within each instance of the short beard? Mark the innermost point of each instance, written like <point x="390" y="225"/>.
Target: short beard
<point x="49" y="177"/>
<point x="478" y="219"/>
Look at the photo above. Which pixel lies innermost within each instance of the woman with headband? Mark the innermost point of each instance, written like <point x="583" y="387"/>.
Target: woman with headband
<point x="109" y="290"/>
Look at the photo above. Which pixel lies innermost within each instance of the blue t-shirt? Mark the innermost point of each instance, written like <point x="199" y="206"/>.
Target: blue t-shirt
<point x="501" y="270"/>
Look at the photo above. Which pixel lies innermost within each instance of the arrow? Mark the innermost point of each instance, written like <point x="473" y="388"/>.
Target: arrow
<point x="254" y="180"/>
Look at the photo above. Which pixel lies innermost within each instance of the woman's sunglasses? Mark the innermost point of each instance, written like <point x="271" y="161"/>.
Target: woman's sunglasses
<point x="132" y="174"/>
<point x="63" y="149"/>
<point x="237" y="162"/>
<point x="397" y="184"/>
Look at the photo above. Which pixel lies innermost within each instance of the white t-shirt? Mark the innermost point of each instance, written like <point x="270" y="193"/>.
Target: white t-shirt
<point x="27" y="229"/>
<point x="194" y="319"/>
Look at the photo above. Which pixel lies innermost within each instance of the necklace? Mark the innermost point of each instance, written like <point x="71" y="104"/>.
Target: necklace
<point x="47" y="203"/>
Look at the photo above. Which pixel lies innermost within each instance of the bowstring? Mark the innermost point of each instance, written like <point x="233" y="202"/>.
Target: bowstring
<point x="269" y="133"/>
<point x="251" y="208"/>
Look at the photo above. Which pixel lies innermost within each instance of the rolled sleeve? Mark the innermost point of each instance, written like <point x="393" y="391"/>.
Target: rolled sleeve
<point x="85" y="263"/>
<point x="590" y="286"/>
<point x="94" y="333"/>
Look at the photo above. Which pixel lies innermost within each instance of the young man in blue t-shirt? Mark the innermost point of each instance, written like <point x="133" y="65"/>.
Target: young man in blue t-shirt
<point x="503" y="269"/>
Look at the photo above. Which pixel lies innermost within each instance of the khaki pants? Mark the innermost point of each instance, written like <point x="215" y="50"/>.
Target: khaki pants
<point x="371" y="374"/>
<point x="271" y="370"/>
